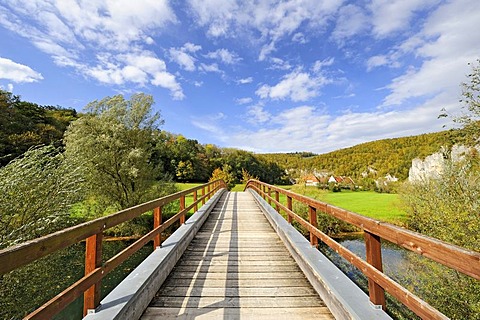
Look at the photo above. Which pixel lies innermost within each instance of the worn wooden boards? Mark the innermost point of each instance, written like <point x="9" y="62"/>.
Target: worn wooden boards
<point x="237" y="267"/>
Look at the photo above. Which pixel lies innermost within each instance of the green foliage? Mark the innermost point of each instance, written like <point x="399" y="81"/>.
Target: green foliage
<point x="392" y="156"/>
<point x="471" y="100"/>
<point x="114" y="143"/>
<point x="225" y="174"/>
<point x="25" y="124"/>
<point x="448" y="209"/>
<point x="247" y="176"/>
<point x="36" y="192"/>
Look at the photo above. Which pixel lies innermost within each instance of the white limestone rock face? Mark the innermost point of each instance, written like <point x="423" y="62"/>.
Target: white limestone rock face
<point x="431" y="167"/>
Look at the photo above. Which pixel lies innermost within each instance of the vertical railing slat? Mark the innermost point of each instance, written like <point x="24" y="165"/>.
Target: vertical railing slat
<point x="373" y="249"/>
<point x="290" y="207"/>
<point x="93" y="260"/>
<point x="182" y="207"/>
<point x="195" y="208"/>
<point x="312" y="215"/>
<point x="157" y="221"/>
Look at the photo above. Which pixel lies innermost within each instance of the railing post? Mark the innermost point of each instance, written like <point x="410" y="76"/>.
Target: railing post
<point x="209" y="189"/>
<point x="182" y="207"/>
<point x="93" y="260"/>
<point x="157" y="221"/>
<point x="312" y="215"/>
<point x="373" y="249"/>
<point x="203" y="195"/>
<point x="269" y="195"/>
<point x="277" y="198"/>
<point x="195" y="208"/>
<point x="290" y="207"/>
<point x="263" y="192"/>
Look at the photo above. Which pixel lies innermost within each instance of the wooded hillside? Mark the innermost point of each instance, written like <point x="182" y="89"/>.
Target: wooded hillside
<point x="392" y="156"/>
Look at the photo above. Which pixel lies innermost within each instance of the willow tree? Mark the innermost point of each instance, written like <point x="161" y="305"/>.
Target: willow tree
<point x="114" y="142"/>
<point x="37" y="191"/>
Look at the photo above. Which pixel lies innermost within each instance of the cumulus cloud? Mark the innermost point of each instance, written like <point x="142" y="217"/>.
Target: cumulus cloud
<point x="296" y="86"/>
<point x="224" y="56"/>
<point x="91" y="37"/>
<point x="183" y="57"/>
<point x="257" y="115"/>
<point x="352" y="20"/>
<point x="245" y="80"/>
<point x="17" y="72"/>
<point x="243" y="100"/>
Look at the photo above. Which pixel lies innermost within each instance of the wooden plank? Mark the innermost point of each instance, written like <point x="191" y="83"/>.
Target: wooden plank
<point x="237" y="263"/>
<point x="235" y="283"/>
<point x="240" y="276"/>
<point x="238" y="268"/>
<point x="241" y="292"/>
<point x="233" y="302"/>
<point x="306" y="313"/>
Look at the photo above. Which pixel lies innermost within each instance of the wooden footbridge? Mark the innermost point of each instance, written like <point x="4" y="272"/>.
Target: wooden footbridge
<point x="237" y="257"/>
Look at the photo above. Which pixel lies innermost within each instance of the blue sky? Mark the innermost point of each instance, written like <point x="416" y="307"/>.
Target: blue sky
<point x="264" y="75"/>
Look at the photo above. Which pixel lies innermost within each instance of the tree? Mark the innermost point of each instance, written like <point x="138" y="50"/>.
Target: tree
<point x="471" y="104"/>
<point x="36" y="193"/>
<point x="114" y="141"/>
<point x="225" y="174"/>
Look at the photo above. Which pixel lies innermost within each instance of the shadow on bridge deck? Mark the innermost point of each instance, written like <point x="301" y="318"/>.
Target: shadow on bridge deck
<point x="237" y="267"/>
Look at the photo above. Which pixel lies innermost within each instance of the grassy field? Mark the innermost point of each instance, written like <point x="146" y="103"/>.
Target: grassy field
<point x="381" y="206"/>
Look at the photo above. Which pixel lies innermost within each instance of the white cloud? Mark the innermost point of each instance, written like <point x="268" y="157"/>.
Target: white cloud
<point x="446" y="44"/>
<point x="270" y="20"/>
<point x="307" y="128"/>
<point x="141" y="68"/>
<point x="320" y="64"/>
<point x="190" y="47"/>
<point x="297" y="86"/>
<point x="182" y="58"/>
<point x="390" y="16"/>
<point x="17" y="72"/>
<point x="210" y="123"/>
<point x="224" y="56"/>
<point x="377" y="61"/>
<point x="245" y="80"/>
<point x="210" y="67"/>
<point x="299" y="37"/>
<point x="243" y="100"/>
<point x="71" y="32"/>
<point x="280" y="64"/>
<point x="352" y="20"/>
<point x="257" y="115"/>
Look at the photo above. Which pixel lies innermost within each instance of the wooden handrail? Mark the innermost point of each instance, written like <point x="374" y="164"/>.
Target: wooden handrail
<point x="92" y="231"/>
<point x="455" y="257"/>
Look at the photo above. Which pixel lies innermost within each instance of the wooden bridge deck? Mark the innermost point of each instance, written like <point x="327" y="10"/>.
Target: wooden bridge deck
<point x="237" y="267"/>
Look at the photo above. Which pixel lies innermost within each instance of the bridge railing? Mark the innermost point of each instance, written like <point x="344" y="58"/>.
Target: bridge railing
<point x="92" y="231"/>
<point x="460" y="259"/>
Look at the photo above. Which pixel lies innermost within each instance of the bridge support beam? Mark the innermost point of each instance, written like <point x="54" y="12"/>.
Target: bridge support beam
<point x="374" y="257"/>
